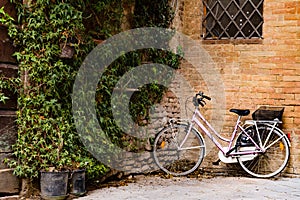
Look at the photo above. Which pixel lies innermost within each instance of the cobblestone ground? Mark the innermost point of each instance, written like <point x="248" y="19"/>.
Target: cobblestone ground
<point x="242" y="188"/>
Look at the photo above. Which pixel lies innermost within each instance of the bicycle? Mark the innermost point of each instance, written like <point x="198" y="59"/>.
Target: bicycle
<point x="259" y="146"/>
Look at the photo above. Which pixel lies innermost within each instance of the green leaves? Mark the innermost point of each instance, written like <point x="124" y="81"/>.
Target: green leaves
<point x="5" y="18"/>
<point x="46" y="134"/>
<point x="3" y="98"/>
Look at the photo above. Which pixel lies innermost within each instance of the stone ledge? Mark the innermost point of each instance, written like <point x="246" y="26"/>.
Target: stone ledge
<point x="233" y="41"/>
<point x="8" y="113"/>
<point x="13" y="197"/>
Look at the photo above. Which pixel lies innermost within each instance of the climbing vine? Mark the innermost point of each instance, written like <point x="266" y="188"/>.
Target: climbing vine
<point x="146" y="14"/>
<point x="46" y="133"/>
<point x="44" y="30"/>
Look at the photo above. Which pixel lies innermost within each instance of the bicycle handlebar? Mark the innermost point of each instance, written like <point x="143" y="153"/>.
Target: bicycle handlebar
<point x="199" y="99"/>
<point x="206" y="97"/>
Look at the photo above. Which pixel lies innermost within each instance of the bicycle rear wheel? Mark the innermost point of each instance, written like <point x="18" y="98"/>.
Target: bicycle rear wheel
<point x="172" y="158"/>
<point x="274" y="159"/>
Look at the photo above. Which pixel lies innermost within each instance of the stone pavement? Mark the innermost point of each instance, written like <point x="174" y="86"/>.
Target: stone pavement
<point x="182" y="188"/>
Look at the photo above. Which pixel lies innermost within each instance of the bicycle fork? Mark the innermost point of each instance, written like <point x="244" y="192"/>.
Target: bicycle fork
<point x="187" y="133"/>
<point x="186" y="136"/>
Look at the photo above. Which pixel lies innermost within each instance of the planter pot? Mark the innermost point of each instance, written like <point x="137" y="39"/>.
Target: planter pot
<point x="77" y="185"/>
<point x="54" y="185"/>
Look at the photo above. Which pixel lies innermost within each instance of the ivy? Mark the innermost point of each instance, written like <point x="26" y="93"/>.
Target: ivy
<point x="46" y="132"/>
<point x="146" y="14"/>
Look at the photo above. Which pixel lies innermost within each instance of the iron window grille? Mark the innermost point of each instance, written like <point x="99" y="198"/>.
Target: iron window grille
<point x="232" y="19"/>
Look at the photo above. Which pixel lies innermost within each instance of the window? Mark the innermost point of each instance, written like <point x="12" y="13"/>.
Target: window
<point x="232" y="19"/>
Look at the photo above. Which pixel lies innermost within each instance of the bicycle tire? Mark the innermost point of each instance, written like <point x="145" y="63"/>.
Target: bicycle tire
<point x="170" y="158"/>
<point x="274" y="159"/>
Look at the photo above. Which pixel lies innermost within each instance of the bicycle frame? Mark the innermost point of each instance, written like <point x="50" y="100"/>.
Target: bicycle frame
<point x="229" y="150"/>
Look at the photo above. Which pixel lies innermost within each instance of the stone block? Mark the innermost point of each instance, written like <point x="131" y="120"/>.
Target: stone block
<point x="8" y="132"/>
<point x="9" y="183"/>
<point x="6" y="47"/>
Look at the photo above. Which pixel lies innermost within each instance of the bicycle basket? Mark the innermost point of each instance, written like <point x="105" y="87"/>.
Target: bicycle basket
<point x="268" y="113"/>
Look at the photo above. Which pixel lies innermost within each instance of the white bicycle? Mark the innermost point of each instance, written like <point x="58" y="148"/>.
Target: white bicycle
<point x="259" y="146"/>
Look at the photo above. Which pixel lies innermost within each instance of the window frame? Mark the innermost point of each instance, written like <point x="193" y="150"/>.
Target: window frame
<point x="213" y="21"/>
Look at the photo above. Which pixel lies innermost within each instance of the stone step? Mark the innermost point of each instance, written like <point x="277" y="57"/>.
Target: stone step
<point x="9" y="183"/>
<point x="12" y="197"/>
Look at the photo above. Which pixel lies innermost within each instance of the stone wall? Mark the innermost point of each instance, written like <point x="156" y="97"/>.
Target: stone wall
<point x="9" y="184"/>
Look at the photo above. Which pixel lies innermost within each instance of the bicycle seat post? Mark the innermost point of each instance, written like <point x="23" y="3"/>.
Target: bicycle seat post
<point x="240" y="113"/>
<point x="238" y="121"/>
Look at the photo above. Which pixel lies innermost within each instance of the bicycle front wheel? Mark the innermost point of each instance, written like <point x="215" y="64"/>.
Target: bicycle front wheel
<point x="177" y="151"/>
<point x="276" y="155"/>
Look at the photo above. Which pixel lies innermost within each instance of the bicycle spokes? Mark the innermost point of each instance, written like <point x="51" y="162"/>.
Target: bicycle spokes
<point x="178" y="152"/>
<point x="273" y="159"/>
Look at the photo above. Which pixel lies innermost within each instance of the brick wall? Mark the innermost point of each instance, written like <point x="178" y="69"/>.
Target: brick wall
<point x="256" y="72"/>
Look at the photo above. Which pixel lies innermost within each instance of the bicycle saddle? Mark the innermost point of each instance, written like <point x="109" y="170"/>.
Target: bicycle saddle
<point x="240" y="112"/>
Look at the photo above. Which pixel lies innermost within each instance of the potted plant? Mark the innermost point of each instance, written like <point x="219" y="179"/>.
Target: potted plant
<point x="47" y="140"/>
<point x="77" y="178"/>
<point x="54" y="184"/>
<point x="77" y="182"/>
